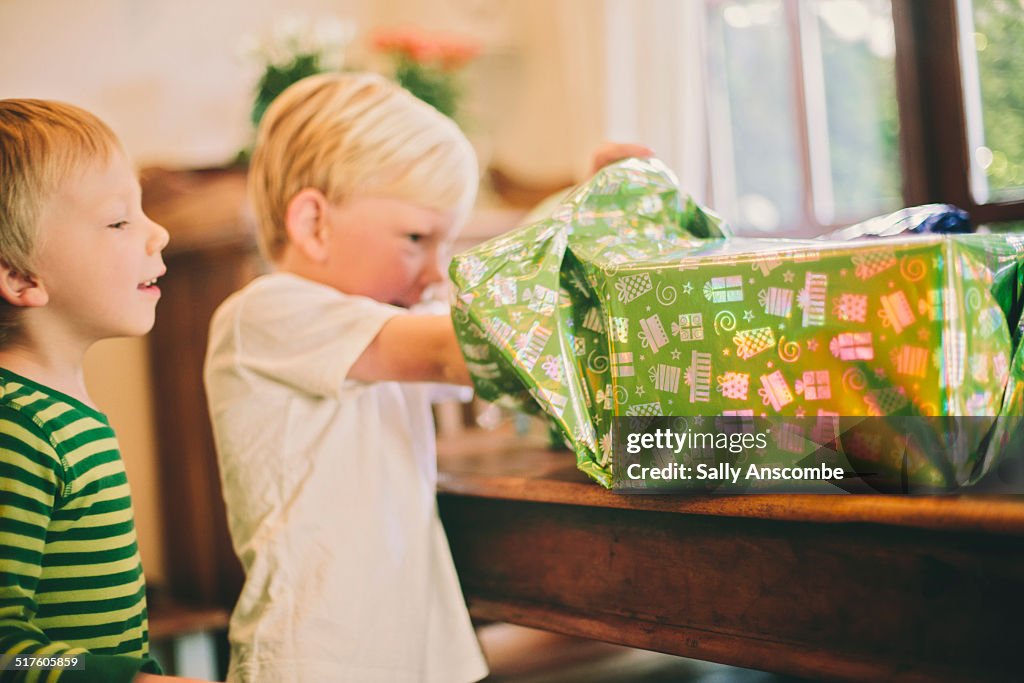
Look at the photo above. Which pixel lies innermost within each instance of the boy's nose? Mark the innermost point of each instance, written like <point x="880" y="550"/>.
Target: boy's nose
<point x="158" y="238"/>
<point x="432" y="273"/>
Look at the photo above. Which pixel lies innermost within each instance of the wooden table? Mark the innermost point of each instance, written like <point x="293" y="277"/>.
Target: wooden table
<point x="840" y="587"/>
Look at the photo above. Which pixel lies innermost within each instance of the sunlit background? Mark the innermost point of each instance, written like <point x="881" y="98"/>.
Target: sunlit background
<point x="785" y="116"/>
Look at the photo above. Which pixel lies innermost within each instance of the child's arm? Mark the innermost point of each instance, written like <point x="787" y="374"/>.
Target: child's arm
<point x="413" y="348"/>
<point x="153" y="678"/>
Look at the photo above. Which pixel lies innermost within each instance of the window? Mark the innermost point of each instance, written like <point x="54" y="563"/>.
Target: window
<point x="802" y="112"/>
<point x="791" y="117"/>
<point x="961" y="90"/>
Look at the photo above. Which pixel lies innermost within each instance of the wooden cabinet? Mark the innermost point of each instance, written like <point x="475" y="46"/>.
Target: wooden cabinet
<point x="211" y="254"/>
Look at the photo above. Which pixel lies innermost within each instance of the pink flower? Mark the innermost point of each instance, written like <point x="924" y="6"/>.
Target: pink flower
<point x="443" y="50"/>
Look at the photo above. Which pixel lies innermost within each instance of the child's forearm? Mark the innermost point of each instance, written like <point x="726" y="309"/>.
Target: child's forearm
<point x="413" y="348"/>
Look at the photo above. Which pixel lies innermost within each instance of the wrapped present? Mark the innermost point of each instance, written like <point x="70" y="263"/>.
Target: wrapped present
<point x="629" y="299"/>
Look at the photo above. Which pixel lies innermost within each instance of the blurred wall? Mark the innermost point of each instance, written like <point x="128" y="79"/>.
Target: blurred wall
<point x="167" y="76"/>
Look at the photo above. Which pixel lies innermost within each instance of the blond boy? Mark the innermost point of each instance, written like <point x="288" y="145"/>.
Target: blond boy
<point x="78" y="263"/>
<point x="318" y="383"/>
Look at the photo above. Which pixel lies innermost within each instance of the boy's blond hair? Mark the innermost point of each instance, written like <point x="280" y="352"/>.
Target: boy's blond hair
<point x="42" y="143"/>
<point x="356" y="135"/>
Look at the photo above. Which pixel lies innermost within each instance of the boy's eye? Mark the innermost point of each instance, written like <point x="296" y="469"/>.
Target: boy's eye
<point x="415" y="237"/>
<point x="118" y="225"/>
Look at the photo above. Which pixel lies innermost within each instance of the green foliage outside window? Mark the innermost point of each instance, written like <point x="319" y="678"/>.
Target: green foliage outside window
<point x="999" y="25"/>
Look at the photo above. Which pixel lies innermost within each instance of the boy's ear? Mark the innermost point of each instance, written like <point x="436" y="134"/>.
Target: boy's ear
<point x="19" y="289"/>
<point x="305" y="222"/>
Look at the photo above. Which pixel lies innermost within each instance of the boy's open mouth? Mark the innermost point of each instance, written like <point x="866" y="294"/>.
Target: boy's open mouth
<point x="150" y="284"/>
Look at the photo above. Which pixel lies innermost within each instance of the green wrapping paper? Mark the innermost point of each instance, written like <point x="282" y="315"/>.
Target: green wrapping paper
<point x="631" y="300"/>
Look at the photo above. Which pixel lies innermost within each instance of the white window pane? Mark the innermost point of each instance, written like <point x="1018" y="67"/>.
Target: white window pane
<point x="756" y="167"/>
<point x="855" y="41"/>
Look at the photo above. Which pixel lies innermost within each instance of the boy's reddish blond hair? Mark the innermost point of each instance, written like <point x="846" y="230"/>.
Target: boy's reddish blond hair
<point x="42" y="143"/>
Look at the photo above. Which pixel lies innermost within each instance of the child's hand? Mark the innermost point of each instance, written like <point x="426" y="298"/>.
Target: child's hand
<point x="153" y="678"/>
<point x="611" y="152"/>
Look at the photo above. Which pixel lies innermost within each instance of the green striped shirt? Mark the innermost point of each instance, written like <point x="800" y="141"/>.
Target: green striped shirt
<point x="70" y="576"/>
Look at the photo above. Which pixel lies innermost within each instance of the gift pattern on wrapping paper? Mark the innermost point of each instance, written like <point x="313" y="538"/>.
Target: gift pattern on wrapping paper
<point x="831" y="311"/>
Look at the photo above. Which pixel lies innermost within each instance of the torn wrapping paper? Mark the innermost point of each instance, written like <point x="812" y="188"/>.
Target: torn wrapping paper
<point x="631" y="300"/>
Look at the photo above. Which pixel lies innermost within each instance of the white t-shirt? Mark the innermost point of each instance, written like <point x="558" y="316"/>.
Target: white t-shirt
<point x="330" y="492"/>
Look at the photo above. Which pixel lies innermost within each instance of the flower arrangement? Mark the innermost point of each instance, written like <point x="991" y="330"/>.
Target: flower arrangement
<point x="428" y="64"/>
<point x="298" y="47"/>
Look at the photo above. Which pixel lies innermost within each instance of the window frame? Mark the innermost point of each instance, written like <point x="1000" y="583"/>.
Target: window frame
<point x="934" y="150"/>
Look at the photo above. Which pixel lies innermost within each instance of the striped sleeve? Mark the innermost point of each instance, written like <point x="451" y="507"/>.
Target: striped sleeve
<point x="31" y="481"/>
